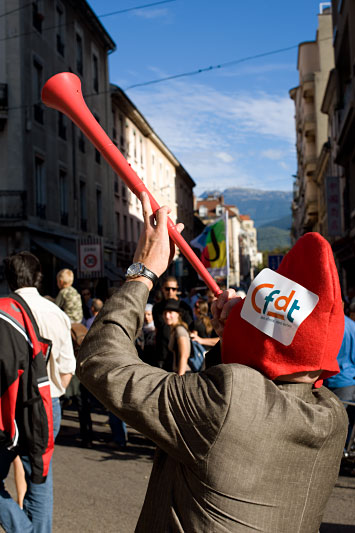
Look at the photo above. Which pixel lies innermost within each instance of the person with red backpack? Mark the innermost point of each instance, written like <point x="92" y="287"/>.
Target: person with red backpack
<point x="23" y="274"/>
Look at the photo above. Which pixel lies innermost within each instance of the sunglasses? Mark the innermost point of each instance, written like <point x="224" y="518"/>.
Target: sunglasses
<point x="170" y="289"/>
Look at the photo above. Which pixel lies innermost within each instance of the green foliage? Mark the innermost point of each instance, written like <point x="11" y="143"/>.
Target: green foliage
<point x="274" y="240"/>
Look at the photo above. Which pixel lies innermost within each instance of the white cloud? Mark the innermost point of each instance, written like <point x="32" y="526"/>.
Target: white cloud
<point x="152" y="13"/>
<point x="223" y="156"/>
<point x="272" y="154"/>
<point x="216" y="135"/>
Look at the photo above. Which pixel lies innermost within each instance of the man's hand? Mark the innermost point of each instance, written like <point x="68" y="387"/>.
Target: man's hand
<point x="155" y="248"/>
<point x="221" y="308"/>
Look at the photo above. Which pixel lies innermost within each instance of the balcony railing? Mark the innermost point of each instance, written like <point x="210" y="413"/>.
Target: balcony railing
<point x="12" y="205"/>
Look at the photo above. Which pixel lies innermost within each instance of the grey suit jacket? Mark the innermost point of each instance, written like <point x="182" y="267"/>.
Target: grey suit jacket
<point x="236" y="451"/>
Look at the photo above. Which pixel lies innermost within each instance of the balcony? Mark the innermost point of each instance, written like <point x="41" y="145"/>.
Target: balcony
<point x="12" y="206"/>
<point x="3" y="105"/>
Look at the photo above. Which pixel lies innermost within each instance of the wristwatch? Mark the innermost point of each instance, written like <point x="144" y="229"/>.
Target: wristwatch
<point x="139" y="269"/>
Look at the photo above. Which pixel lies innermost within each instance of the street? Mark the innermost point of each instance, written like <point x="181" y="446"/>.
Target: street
<point x="102" y="489"/>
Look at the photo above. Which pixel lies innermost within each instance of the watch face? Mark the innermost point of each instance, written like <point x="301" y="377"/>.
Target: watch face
<point x="135" y="269"/>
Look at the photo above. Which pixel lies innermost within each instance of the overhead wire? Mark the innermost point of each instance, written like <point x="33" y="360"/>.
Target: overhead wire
<point x="48" y="28"/>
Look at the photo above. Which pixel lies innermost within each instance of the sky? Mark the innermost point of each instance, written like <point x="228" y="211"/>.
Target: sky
<point x="231" y="126"/>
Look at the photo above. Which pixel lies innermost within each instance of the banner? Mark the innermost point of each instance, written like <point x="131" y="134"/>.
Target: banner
<point x="213" y="244"/>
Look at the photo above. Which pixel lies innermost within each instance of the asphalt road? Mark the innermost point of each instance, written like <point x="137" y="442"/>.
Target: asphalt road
<point x="102" y="489"/>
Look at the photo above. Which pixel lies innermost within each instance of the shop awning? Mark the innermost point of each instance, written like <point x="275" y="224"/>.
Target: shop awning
<point x="56" y="250"/>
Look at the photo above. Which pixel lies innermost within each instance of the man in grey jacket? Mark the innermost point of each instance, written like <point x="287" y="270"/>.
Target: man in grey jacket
<point x="240" y="447"/>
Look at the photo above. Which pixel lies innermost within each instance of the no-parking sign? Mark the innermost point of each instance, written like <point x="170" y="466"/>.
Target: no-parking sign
<point x="90" y="255"/>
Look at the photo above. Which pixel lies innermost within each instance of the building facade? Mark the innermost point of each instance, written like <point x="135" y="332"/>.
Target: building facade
<point x="158" y="169"/>
<point x="329" y="207"/>
<point x="55" y="187"/>
<point x="315" y="60"/>
<point x="242" y="237"/>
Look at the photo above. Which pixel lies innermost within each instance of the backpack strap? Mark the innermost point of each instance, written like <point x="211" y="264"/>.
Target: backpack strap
<point x="46" y="344"/>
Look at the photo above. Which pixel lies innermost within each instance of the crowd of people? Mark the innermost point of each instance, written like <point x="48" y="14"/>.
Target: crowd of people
<point x="92" y="338"/>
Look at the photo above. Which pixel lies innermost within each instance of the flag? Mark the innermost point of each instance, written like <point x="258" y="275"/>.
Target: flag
<point x="213" y="245"/>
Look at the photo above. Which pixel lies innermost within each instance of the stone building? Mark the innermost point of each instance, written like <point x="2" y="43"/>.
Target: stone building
<point x="156" y="166"/>
<point x="55" y="187"/>
<point x="339" y="104"/>
<point x="315" y="60"/>
<point x="243" y="254"/>
<point x="54" y="184"/>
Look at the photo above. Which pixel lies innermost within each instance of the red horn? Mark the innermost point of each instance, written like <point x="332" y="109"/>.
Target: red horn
<point x="63" y="93"/>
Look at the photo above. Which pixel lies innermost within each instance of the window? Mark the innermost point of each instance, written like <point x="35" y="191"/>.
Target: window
<point x="83" y="211"/>
<point x="79" y="54"/>
<point x="124" y="192"/>
<point x="37" y="16"/>
<point x="161" y="182"/>
<point x="219" y="210"/>
<point x="118" y="225"/>
<point x="132" y="230"/>
<point x="97" y="153"/>
<point x="37" y="88"/>
<point x="125" y="227"/>
<point x="134" y="145"/>
<point x="60" y="24"/>
<point x="62" y="129"/>
<point x="95" y="73"/>
<point x="63" y="194"/>
<point x="116" y="187"/>
<point x="40" y="187"/>
<point x="141" y="149"/>
<point x="154" y="177"/>
<point x="202" y="211"/>
<point x="81" y="142"/>
<point x="99" y="211"/>
<point x="121" y="132"/>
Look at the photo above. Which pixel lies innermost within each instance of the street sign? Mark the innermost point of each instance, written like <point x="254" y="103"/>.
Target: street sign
<point x="274" y="261"/>
<point x="90" y="258"/>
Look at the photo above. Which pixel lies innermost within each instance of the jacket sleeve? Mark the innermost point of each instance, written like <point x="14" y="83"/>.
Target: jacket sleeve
<point x="181" y="414"/>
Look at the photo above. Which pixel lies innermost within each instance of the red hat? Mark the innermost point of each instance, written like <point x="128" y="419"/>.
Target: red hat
<point x="293" y="322"/>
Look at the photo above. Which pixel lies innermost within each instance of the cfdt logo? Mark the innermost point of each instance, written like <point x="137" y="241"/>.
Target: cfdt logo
<point x="277" y="306"/>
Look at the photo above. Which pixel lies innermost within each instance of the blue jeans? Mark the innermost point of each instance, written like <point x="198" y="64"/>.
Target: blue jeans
<point x="36" y="516"/>
<point x="119" y="430"/>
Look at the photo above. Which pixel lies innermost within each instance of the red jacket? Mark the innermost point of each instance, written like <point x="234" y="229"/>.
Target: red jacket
<point x="26" y="421"/>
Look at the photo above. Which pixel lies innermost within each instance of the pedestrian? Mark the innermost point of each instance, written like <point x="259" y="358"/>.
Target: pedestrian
<point x="145" y="343"/>
<point x="179" y="340"/>
<point x="96" y="306"/>
<point x="170" y="290"/>
<point x="68" y="299"/>
<point x="23" y="274"/>
<point x="201" y="329"/>
<point x="255" y="443"/>
<point x="343" y="384"/>
<point x="86" y="300"/>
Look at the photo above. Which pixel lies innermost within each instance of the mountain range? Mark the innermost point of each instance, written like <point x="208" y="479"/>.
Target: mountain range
<point x="270" y="210"/>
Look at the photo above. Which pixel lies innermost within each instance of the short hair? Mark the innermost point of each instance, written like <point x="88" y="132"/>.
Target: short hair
<point x="97" y="304"/>
<point x="170" y="278"/>
<point x="23" y="270"/>
<point x="66" y="275"/>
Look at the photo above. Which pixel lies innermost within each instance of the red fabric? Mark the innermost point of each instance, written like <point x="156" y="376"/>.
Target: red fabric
<point x="316" y="344"/>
